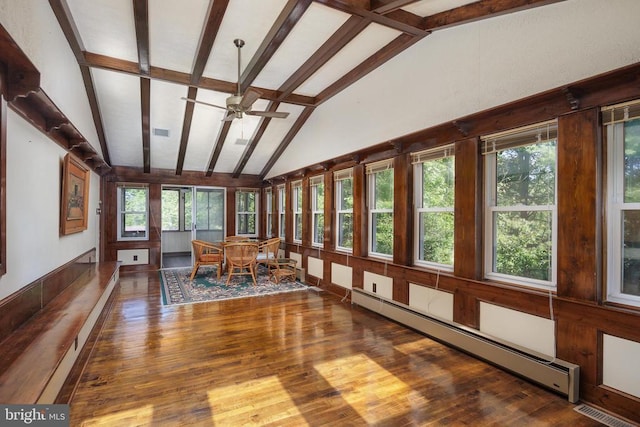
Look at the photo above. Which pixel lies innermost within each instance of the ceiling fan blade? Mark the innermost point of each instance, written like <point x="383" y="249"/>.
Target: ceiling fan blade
<point x="250" y="96"/>
<point x="271" y="114"/>
<point x="203" y="103"/>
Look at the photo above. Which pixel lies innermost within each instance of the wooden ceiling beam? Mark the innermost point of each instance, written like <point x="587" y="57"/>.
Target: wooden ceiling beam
<point x="67" y="24"/>
<point x="186" y="129"/>
<point x="479" y="10"/>
<point x="386" y="6"/>
<point x="412" y="26"/>
<point x="255" y="139"/>
<point x="141" y="19"/>
<point x="280" y="29"/>
<point x="302" y="119"/>
<point x="145" y="109"/>
<point x="393" y="48"/>
<point x="215" y="14"/>
<point x="350" y="29"/>
<point x="96" y="60"/>
<point x="222" y="136"/>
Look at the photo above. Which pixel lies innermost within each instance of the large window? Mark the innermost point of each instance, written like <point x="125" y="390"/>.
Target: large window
<point x="344" y="209"/>
<point x="297" y="211"/>
<point x="209" y="209"/>
<point x="269" y="209"/>
<point x="247" y="212"/>
<point x="380" y="196"/>
<point x="282" y="205"/>
<point x="434" y="202"/>
<point x="133" y="217"/>
<point x="520" y="212"/>
<point x="623" y="204"/>
<point x="176" y="209"/>
<point x="317" y="210"/>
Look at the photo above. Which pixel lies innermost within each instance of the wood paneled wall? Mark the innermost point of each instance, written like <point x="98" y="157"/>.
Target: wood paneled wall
<point x="581" y="315"/>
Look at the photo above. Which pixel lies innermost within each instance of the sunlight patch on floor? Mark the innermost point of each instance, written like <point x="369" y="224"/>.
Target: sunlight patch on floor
<point x="259" y="401"/>
<point x="372" y="391"/>
<point x="140" y="416"/>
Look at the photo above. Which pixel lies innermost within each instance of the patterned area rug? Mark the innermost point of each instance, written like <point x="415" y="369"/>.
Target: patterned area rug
<point x="177" y="289"/>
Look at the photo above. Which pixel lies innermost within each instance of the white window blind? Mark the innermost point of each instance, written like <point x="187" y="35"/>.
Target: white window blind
<point x="540" y="132"/>
<point x="380" y="166"/>
<point x="432" y="153"/>
<point x="621" y="112"/>
<point x="316" y="180"/>
<point x="343" y="174"/>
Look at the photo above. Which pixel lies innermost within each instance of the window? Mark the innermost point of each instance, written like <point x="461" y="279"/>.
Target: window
<point x="246" y="212"/>
<point x="520" y="212"/>
<point x="344" y="209"/>
<point x="380" y="180"/>
<point x="434" y="200"/>
<point x="209" y="209"/>
<point x="281" y="211"/>
<point x="176" y="209"/>
<point x="133" y="217"/>
<point x="317" y="210"/>
<point x="623" y="205"/>
<point x="269" y="209"/>
<point x="297" y="211"/>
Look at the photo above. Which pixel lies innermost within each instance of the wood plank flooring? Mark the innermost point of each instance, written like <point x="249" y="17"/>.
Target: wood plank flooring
<point x="302" y="358"/>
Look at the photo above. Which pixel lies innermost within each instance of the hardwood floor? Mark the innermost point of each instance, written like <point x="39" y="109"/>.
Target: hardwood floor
<point x="302" y="358"/>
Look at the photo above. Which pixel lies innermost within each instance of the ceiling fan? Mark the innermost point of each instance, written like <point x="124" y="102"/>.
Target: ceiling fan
<point x="240" y="104"/>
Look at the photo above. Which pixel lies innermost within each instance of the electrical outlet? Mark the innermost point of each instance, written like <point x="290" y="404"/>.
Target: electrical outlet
<point x="375" y="286"/>
<point x="135" y="257"/>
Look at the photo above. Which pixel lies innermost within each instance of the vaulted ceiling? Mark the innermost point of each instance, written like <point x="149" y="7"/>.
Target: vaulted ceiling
<point x="140" y="59"/>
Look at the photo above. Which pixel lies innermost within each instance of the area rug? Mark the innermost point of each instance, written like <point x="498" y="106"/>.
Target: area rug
<point x="178" y="289"/>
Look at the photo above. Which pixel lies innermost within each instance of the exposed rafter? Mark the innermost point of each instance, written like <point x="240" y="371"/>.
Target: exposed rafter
<point x="186" y="129"/>
<point x="141" y="18"/>
<point x="281" y="28"/>
<point x="215" y="14"/>
<point x="63" y="15"/>
<point x="145" y="109"/>
<point x="255" y="139"/>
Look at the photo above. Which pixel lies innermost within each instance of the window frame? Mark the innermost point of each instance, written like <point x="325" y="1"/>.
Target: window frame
<point x="614" y="119"/>
<point x="119" y="194"/>
<point x="491" y="146"/>
<point x="418" y="160"/>
<point x="373" y="169"/>
<point x="339" y="177"/>
<point x="255" y="212"/>
<point x="296" y="190"/>
<point x="282" y="215"/>
<point x="268" y="196"/>
<point x="317" y="236"/>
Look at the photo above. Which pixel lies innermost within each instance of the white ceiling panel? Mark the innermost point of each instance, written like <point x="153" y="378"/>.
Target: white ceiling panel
<point x="368" y="42"/>
<point x="314" y="28"/>
<point x="249" y="20"/>
<point x="106" y="27"/>
<point x="272" y="137"/>
<point x="241" y="130"/>
<point x="205" y="125"/>
<point x="431" y="7"/>
<point x="119" y="102"/>
<point x="167" y="112"/>
<point x="174" y="32"/>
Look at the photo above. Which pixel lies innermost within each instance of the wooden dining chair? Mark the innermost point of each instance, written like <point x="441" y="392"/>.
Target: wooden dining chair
<point x="229" y="239"/>
<point x="268" y="250"/>
<point x="241" y="259"/>
<point x="206" y="253"/>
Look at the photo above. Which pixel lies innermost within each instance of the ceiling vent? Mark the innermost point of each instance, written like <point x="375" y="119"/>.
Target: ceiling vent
<point x="241" y="141"/>
<point x="161" y="132"/>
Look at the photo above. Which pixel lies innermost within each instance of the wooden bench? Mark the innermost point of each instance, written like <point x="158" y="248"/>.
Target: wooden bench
<point x="37" y="355"/>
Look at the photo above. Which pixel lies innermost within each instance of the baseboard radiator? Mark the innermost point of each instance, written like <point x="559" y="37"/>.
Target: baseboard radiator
<point x="557" y="375"/>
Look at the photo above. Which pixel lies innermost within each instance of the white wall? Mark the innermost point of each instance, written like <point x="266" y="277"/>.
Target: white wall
<point x="34" y="176"/>
<point x="34" y="27"/>
<point x="470" y="68"/>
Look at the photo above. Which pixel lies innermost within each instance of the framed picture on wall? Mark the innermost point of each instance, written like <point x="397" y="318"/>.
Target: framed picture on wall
<point x="75" y="196"/>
